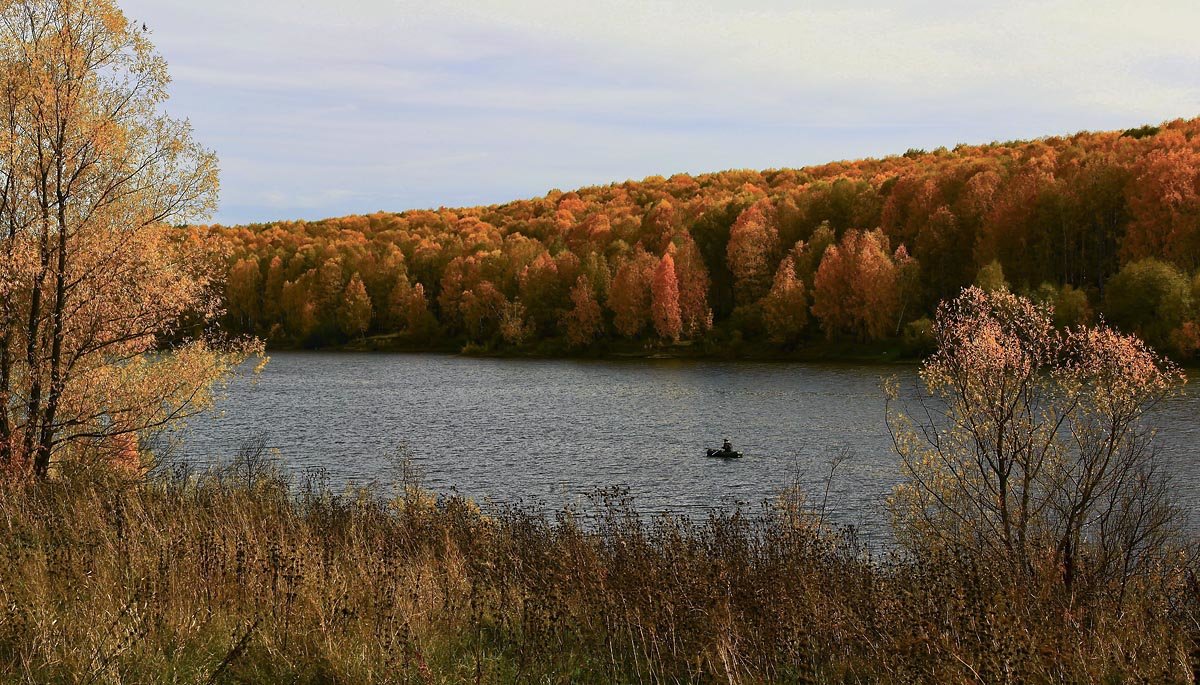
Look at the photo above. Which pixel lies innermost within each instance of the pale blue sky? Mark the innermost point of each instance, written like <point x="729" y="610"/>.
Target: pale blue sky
<point x="334" y="107"/>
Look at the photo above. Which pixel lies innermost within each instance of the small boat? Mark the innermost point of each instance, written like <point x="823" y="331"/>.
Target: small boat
<point x="725" y="454"/>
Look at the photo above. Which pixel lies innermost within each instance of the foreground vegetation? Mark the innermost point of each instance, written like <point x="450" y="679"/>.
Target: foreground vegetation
<point x="231" y="577"/>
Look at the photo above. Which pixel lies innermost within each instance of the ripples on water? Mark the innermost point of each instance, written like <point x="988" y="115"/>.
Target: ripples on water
<point x="548" y="432"/>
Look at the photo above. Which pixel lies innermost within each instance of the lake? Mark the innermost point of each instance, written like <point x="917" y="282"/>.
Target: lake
<point x="548" y="432"/>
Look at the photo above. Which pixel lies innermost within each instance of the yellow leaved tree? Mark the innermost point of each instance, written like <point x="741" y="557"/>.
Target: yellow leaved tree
<point x="95" y="286"/>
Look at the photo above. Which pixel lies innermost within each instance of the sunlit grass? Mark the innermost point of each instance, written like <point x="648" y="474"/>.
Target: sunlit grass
<point x="237" y="577"/>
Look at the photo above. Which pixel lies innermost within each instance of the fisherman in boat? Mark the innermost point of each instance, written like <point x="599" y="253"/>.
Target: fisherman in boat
<point x="726" y="446"/>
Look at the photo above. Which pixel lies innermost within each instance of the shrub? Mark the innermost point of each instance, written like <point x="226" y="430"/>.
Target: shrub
<point x="1150" y="298"/>
<point x="1036" y="456"/>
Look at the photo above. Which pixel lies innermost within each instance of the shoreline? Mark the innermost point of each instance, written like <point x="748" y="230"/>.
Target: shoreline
<point x="833" y="353"/>
<point x="866" y="354"/>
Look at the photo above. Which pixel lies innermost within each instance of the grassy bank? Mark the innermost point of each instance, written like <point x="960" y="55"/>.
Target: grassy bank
<point x="235" y="577"/>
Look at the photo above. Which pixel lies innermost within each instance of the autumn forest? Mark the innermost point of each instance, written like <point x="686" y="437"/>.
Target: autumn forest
<point x="1097" y="224"/>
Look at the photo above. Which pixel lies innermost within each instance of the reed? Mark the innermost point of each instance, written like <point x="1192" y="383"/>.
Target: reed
<point x="240" y="576"/>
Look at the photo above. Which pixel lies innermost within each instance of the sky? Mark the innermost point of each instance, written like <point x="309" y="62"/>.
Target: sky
<point x="334" y="107"/>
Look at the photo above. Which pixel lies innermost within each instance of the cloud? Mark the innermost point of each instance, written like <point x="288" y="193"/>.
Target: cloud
<point x="426" y="103"/>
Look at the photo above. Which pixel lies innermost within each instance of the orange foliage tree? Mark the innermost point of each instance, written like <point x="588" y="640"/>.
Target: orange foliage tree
<point x="483" y="310"/>
<point x="1165" y="207"/>
<point x="354" y="314"/>
<point x="96" y="285"/>
<point x="410" y="307"/>
<point x="693" y="286"/>
<point x="855" y="289"/>
<point x="543" y="292"/>
<point x="753" y="244"/>
<point x="272" y="293"/>
<point x="585" y="319"/>
<point x="785" y="308"/>
<point x="664" y="300"/>
<point x="629" y="294"/>
<point x="243" y="294"/>
<point x="298" y="306"/>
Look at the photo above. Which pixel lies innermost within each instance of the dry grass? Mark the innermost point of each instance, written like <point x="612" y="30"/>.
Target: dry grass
<point x="235" y="577"/>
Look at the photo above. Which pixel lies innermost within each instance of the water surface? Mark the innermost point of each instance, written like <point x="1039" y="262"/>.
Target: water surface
<point x="550" y="431"/>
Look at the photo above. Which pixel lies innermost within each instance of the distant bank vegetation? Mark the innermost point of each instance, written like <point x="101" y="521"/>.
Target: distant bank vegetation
<point x="1095" y="223"/>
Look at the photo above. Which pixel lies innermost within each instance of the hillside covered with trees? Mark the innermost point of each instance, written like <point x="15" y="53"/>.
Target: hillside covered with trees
<point x="1097" y="224"/>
